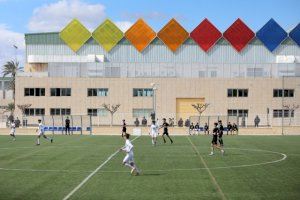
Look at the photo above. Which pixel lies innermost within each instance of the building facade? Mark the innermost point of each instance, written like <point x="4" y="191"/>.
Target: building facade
<point x="61" y="79"/>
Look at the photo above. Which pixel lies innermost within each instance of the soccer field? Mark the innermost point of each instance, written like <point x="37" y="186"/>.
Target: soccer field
<point x="253" y="167"/>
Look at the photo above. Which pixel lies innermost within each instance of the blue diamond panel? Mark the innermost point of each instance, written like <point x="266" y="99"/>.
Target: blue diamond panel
<point x="271" y="34"/>
<point x="295" y="34"/>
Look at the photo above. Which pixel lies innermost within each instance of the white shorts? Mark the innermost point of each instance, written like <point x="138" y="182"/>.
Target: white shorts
<point x="41" y="133"/>
<point x="153" y="135"/>
<point x="128" y="158"/>
<point x="13" y="132"/>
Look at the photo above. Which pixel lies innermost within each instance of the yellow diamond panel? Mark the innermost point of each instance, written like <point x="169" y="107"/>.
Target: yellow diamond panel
<point x="107" y="35"/>
<point x="75" y="35"/>
<point x="173" y="34"/>
<point x="140" y="35"/>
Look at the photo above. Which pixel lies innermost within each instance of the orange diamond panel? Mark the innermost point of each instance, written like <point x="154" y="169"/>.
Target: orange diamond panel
<point x="140" y="35"/>
<point x="173" y="34"/>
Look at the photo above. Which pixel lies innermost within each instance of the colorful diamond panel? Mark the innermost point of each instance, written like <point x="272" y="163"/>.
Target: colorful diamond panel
<point x="206" y="35"/>
<point x="295" y="34"/>
<point x="173" y="34"/>
<point x="108" y="35"/>
<point x="239" y="35"/>
<point x="140" y="35"/>
<point x="75" y="35"/>
<point x="271" y="35"/>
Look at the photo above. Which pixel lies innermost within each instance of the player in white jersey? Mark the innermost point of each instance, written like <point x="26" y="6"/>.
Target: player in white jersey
<point x="154" y="132"/>
<point x="41" y="132"/>
<point x="128" y="160"/>
<point x="13" y="130"/>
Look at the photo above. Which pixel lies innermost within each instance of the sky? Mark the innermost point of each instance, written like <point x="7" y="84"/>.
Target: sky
<point x="29" y="16"/>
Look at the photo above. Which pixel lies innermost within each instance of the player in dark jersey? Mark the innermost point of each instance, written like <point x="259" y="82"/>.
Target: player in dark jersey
<point x="197" y="128"/>
<point x="67" y="126"/>
<point x="124" y="129"/>
<point x="191" y="130"/>
<point x="229" y="128"/>
<point x="220" y="134"/>
<point x="234" y="128"/>
<point x="206" y="129"/>
<point x="165" y="127"/>
<point x="214" y="142"/>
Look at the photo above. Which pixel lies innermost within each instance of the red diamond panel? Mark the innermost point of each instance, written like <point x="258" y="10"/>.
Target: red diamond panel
<point x="206" y="35"/>
<point x="239" y="35"/>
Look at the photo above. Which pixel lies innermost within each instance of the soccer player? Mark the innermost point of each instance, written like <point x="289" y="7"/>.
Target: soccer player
<point x="67" y="125"/>
<point x="165" y="126"/>
<point x="220" y="135"/>
<point x="214" y="142"/>
<point x="191" y="130"/>
<point x="229" y="128"/>
<point x="128" y="160"/>
<point x="234" y="128"/>
<point x="153" y="132"/>
<point x="197" y="128"/>
<point x="206" y="129"/>
<point x="124" y="128"/>
<point x="41" y="132"/>
<point x="13" y="130"/>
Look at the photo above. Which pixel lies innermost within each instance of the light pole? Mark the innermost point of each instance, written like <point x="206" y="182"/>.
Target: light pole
<point x="154" y="88"/>
<point x="15" y="48"/>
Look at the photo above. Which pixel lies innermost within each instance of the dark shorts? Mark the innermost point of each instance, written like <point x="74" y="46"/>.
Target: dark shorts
<point x="165" y="133"/>
<point x="124" y="130"/>
<point x="214" y="140"/>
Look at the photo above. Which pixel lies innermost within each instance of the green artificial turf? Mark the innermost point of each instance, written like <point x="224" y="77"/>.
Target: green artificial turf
<point x="169" y="171"/>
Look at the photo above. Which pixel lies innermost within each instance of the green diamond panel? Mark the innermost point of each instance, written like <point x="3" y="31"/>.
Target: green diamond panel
<point x="108" y="35"/>
<point x="75" y="35"/>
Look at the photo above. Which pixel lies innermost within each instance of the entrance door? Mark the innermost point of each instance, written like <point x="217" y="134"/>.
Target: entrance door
<point x="184" y="108"/>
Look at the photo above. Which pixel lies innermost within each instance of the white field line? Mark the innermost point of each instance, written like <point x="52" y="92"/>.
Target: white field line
<point x="92" y="174"/>
<point x="208" y="170"/>
<point x="284" y="156"/>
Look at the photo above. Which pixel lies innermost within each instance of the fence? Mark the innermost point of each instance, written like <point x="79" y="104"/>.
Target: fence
<point x="56" y="124"/>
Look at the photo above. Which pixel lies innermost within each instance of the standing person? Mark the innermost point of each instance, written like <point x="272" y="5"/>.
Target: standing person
<point x="197" y="128"/>
<point x="67" y="125"/>
<point x="214" y="142"/>
<point x="206" y="129"/>
<point x="128" y="160"/>
<point x="220" y="135"/>
<point x="153" y="132"/>
<point x="124" y="129"/>
<point x="165" y="126"/>
<point x="256" y="121"/>
<point x="13" y="130"/>
<point x="158" y="125"/>
<point x="229" y="128"/>
<point x="41" y="132"/>
<point x="234" y="128"/>
<point x="191" y="129"/>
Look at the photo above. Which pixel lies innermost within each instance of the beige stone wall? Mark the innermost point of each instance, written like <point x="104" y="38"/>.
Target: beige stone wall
<point x="214" y="90"/>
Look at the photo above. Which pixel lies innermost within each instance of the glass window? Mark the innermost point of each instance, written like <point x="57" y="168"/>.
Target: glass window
<point x="57" y="92"/>
<point x="213" y="74"/>
<point x="141" y="112"/>
<point x="31" y="91"/>
<point x="291" y="93"/>
<point x="229" y="92"/>
<point x="143" y="92"/>
<point x="234" y="92"/>
<point x="26" y="92"/>
<point x="53" y="92"/>
<point x="37" y="92"/>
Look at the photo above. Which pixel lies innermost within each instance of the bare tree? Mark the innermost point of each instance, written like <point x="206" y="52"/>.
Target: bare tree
<point x="23" y="107"/>
<point x="291" y="109"/>
<point x="200" y="107"/>
<point x="112" y="109"/>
